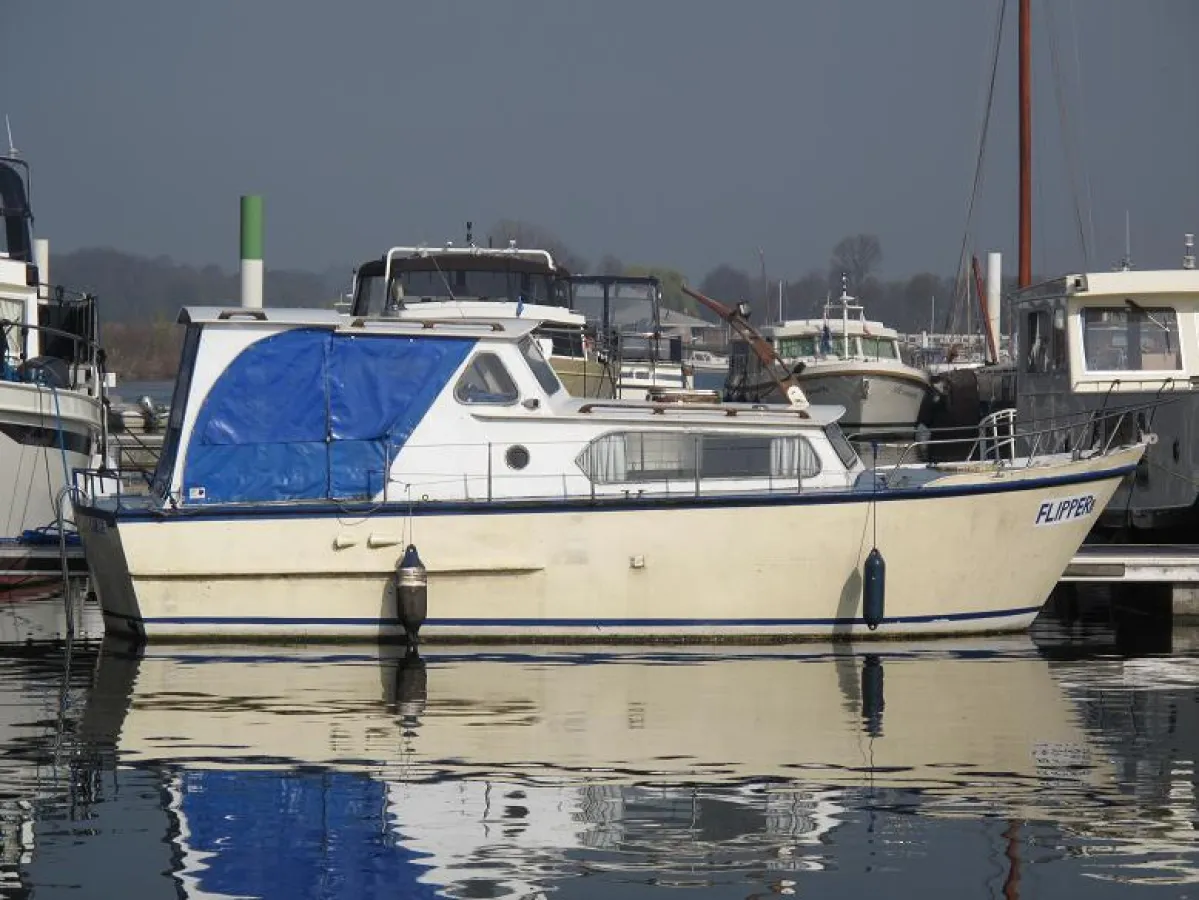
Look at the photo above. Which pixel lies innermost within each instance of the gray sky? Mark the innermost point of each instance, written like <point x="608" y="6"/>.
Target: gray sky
<point x="680" y="132"/>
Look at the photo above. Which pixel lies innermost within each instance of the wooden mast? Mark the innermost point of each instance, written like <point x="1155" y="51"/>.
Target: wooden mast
<point x="1025" y="276"/>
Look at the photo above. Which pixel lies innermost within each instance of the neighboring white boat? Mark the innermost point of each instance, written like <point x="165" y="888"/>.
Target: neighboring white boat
<point x="842" y="359"/>
<point x="707" y="361"/>
<point x="469" y="282"/>
<point x="305" y="451"/>
<point x="51" y="414"/>
<point x="624" y="321"/>
<point x="498" y="769"/>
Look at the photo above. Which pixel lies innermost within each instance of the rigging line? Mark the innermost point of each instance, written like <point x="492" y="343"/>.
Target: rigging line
<point x="1067" y="134"/>
<point x="951" y="316"/>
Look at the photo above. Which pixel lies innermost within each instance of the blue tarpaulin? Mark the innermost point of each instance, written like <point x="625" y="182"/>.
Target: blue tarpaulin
<point x="309" y="414"/>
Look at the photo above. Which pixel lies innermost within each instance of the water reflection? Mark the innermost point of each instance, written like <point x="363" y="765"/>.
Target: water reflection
<point x="986" y="766"/>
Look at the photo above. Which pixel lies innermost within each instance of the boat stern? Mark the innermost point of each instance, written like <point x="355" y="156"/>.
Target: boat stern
<point x="108" y="565"/>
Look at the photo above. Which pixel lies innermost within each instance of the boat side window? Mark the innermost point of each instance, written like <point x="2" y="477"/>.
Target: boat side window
<point x="797" y="346"/>
<point x="637" y="457"/>
<point x="542" y="370"/>
<point x="1039" y="357"/>
<point x="1131" y="338"/>
<point x="879" y="348"/>
<point x="485" y="380"/>
<point x="170" y="444"/>
<point x="1058" y="350"/>
<point x="842" y="446"/>
<point x="368" y="299"/>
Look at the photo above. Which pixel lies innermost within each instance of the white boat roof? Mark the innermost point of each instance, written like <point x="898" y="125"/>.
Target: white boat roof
<point x="1124" y="282"/>
<point x="501" y="328"/>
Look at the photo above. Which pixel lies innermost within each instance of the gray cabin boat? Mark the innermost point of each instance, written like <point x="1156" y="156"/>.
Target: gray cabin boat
<point x="1101" y="341"/>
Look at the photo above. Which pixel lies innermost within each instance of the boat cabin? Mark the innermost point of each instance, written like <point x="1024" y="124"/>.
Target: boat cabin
<point x="623" y="312"/>
<point x="483" y="282"/>
<point x="407" y="276"/>
<point x="1110" y="332"/>
<point x="49" y="335"/>
<point x="276" y="406"/>
<point x="1118" y="339"/>
<point x="812" y="339"/>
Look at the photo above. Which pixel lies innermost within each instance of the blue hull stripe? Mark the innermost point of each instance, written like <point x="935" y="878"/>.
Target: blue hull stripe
<point x="576" y="623"/>
<point x="615" y="504"/>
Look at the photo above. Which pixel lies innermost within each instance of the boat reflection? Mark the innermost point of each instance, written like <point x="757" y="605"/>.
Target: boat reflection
<point x="489" y="773"/>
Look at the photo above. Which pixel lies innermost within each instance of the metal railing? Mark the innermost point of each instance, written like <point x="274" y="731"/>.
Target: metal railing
<point x="668" y="462"/>
<point x="1000" y="439"/>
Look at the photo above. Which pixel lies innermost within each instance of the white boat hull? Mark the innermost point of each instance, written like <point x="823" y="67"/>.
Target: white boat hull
<point x="44" y="436"/>
<point x="764" y="567"/>
<point x="873" y="400"/>
<point x="877" y="397"/>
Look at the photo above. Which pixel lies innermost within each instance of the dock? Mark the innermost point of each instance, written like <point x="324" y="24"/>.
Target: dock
<point x="1152" y="563"/>
<point x="1147" y="569"/>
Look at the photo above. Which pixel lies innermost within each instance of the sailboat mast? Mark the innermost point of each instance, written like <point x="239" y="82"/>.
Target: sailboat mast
<point x="1025" y="276"/>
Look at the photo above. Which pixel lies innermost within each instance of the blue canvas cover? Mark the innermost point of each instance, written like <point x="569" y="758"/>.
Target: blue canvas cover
<point x="379" y="390"/>
<point x="311" y="414"/>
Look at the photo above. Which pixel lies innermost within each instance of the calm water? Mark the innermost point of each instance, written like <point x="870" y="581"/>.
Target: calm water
<point x="1040" y="766"/>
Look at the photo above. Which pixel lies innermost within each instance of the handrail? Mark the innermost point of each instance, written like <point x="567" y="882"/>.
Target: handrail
<point x="461" y="324"/>
<point x="690" y="408"/>
<point x="1096" y="430"/>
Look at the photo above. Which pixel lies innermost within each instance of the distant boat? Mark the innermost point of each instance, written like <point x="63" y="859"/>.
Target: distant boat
<point x="844" y="360"/>
<point x="468" y="282"/>
<point x="707" y="361"/>
<point x="624" y="322"/>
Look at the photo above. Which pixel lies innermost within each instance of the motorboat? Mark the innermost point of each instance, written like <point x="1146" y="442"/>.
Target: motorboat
<point x="51" y="393"/>
<point x="307" y="455"/>
<point x="469" y="281"/>
<point x="1122" y="339"/>
<point x="842" y="359"/>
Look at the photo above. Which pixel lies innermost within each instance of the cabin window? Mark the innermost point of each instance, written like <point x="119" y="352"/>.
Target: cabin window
<point x="1046" y="340"/>
<point x="542" y="371"/>
<point x="174" y="433"/>
<point x="878" y="348"/>
<point x="790" y="348"/>
<point x="1131" y="338"/>
<point x="1059" y="353"/>
<point x="638" y="457"/>
<point x="486" y="381"/>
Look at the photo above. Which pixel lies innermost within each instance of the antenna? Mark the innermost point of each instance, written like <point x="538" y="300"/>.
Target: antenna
<point x="1127" y="263"/>
<point x="1188" y="257"/>
<point x="12" y="150"/>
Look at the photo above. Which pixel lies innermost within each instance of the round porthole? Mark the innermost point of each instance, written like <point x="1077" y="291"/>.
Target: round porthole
<point x="517" y="457"/>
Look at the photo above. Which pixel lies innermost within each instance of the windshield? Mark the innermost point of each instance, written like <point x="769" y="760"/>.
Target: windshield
<point x="423" y="285"/>
<point x="878" y="348"/>
<point x="630" y="306"/>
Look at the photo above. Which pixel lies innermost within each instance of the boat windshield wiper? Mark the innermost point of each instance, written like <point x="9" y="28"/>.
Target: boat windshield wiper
<point x="1148" y="315"/>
